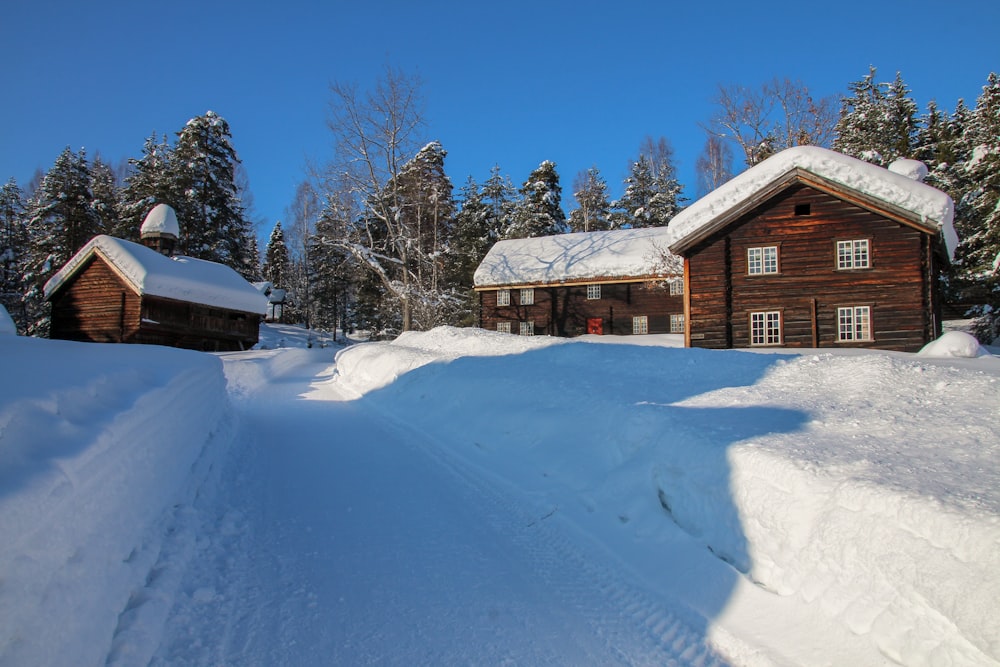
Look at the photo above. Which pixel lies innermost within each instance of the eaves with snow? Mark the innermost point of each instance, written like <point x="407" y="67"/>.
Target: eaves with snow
<point x="582" y="257"/>
<point x="897" y="195"/>
<point x="179" y="278"/>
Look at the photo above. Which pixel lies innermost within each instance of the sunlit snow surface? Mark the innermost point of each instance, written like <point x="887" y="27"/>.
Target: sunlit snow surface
<point x="467" y="497"/>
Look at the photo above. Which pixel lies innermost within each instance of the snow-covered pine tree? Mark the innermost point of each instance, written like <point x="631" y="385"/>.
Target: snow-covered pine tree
<point x="979" y="209"/>
<point x="593" y="208"/>
<point x="13" y="249"/>
<point x="147" y="185"/>
<point x="877" y="122"/>
<point x="650" y="199"/>
<point x="203" y="190"/>
<point x="107" y="195"/>
<point x="539" y="211"/>
<point x="331" y="269"/>
<point x="60" y="220"/>
<point x="501" y="196"/>
<point x="277" y="264"/>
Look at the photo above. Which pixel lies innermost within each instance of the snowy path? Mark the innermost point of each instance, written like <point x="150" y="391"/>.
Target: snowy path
<point x="342" y="538"/>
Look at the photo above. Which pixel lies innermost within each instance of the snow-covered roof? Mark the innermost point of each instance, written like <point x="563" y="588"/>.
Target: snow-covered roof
<point x="161" y="220"/>
<point x="579" y="257"/>
<point x="917" y="202"/>
<point x="180" y="278"/>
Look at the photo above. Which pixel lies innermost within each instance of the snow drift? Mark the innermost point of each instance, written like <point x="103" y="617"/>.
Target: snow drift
<point x="863" y="488"/>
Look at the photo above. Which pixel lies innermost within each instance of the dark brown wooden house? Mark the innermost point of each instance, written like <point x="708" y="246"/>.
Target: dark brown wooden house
<point x="115" y="291"/>
<point x="811" y="248"/>
<point x="615" y="282"/>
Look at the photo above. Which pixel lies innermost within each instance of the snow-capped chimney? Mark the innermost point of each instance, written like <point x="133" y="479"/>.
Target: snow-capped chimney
<point x="913" y="169"/>
<point x="160" y="230"/>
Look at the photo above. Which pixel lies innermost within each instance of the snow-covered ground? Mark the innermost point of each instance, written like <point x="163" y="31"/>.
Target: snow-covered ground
<point x="467" y="497"/>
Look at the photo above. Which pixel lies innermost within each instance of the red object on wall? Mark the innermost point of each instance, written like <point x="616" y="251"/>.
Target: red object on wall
<point x="595" y="325"/>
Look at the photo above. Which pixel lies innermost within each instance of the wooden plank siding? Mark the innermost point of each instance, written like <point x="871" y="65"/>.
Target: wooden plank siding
<point x="98" y="305"/>
<point x="808" y="288"/>
<point x="564" y="310"/>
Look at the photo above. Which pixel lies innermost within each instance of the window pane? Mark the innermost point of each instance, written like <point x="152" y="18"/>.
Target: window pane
<point x="593" y="291"/>
<point x="527" y="296"/>
<point x="640" y="324"/>
<point x="503" y="297"/>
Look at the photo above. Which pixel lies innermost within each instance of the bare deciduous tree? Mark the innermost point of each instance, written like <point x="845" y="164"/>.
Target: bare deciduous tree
<point x="780" y="114"/>
<point x="376" y="133"/>
<point x="714" y="166"/>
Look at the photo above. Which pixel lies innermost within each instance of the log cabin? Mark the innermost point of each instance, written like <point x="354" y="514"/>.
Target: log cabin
<point x="619" y="282"/>
<point x="117" y="291"/>
<point x="812" y="248"/>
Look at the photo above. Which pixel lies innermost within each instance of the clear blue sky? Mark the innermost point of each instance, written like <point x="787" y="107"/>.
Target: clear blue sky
<point x="509" y="83"/>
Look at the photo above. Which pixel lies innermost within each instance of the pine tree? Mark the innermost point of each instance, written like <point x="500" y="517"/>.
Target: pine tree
<point x="60" y="220"/>
<point x="593" y="208"/>
<point x="501" y="196"/>
<point x="648" y="200"/>
<point x="104" y="188"/>
<point x="277" y="263"/>
<point x="13" y="249"/>
<point x="878" y="122"/>
<point x="979" y="210"/>
<point x="331" y="269"/>
<point x="202" y="186"/>
<point x="539" y="212"/>
<point x="147" y="185"/>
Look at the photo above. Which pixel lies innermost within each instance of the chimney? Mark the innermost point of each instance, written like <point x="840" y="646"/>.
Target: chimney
<point x="160" y="230"/>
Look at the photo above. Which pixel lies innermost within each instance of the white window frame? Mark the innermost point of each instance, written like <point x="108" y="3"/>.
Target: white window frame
<point x="527" y="296"/>
<point x="593" y="292"/>
<point x="503" y="297"/>
<point x="527" y="328"/>
<point x="677" y="323"/>
<point x="854" y="324"/>
<point x="854" y="254"/>
<point x="676" y="288"/>
<point x="640" y="324"/>
<point x="503" y="327"/>
<point x="765" y="328"/>
<point x="762" y="260"/>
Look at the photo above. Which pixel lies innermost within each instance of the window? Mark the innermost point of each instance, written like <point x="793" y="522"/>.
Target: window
<point x="676" y="324"/>
<point x="854" y="323"/>
<point x="503" y="297"/>
<point x="503" y="327"/>
<point x="527" y="296"/>
<point x="640" y="324"/>
<point x="527" y="328"/>
<point x="676" y="287"/>
<point x="853" y="254"/>
<point x="803" y="209"/>
<point x="593" y="292"/>
<point x="765" y="328"/>
<point x="762" y="260"/>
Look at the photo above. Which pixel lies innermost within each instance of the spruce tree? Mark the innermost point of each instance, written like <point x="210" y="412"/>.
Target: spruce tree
<point x="147" y="185"/>
<point x="979" y="209"/>
<point x="277" y="264"/>
<point x="202" y="186"/>
<point x="501" y="196"/>
<point x="877" y="122"/>
<point x="60" y="220"/>
<point x="13" y="250"/>
<point x="539" y="212"/>
<point x="106" y="193"/>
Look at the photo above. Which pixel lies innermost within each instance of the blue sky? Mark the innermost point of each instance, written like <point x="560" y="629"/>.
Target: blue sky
<point x="509" y="83"/>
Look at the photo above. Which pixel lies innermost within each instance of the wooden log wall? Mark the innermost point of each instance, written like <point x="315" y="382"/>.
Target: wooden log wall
<point x="805" y="225"/>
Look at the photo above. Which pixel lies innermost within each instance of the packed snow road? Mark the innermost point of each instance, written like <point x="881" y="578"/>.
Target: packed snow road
<point x="341" y="537"/>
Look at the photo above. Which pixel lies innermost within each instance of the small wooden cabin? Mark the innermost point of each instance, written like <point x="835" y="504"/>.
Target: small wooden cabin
<point x="611" y="282"/>
<point x="812" y="248"/>
<point x="115" y="291"/>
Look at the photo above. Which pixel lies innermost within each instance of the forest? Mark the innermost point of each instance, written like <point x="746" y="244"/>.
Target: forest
<point x="380" y="239"/>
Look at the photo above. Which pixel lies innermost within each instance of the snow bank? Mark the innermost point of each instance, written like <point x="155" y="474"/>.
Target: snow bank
<point x="957" y="344"/>
<point x="102" y="448"/>
<point x="368" y="366"/>
<point x="858" y="491"/>
<point x="7" y="325"/>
